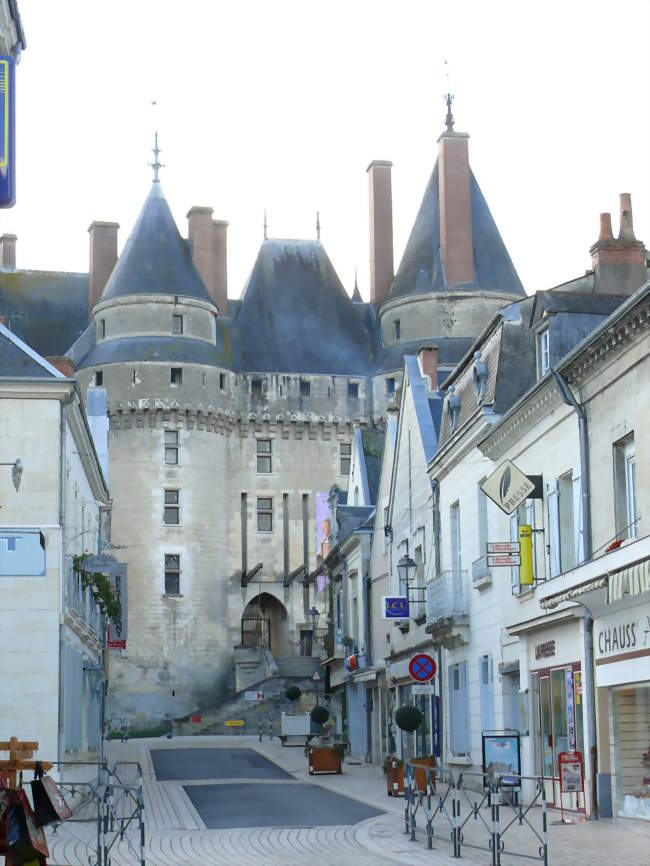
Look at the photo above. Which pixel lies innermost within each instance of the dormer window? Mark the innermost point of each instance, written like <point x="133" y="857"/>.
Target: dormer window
<point x="453" y="408"/>
<point x="480" y="376"/>
<point x="543" y="351"/>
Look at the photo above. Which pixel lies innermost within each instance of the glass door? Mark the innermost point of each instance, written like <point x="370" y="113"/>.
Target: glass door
<point x="547" y="736"/>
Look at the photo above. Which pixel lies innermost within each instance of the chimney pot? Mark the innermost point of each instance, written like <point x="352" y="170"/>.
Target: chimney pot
<point x="103" y="255"/>
<point x="208" y="245"/>
<point x="381" y="230"/>
<point x="428" y="361"/>
<point x="456" y="242"/>
<point x="626" y="228"/>
<point x="605" y="227"/>
<point x="8" y="252"/>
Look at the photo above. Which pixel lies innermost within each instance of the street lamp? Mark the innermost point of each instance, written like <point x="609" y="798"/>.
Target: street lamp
<point x="16" y="472"/>
<point x="404" y="567"/>
<point x="316" y="679"/>
<point x="314" y="614"/>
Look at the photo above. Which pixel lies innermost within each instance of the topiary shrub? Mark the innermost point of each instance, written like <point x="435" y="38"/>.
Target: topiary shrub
<point x="408" y="718"/>
<point x="292" y="693"/>
<point x="320" y="714"/>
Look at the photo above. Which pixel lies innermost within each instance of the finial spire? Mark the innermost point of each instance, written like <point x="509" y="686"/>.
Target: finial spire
<point x="449" y="120"/>
<point x="356" y="284"/>
<point x="266" y="226"/>
<point x="317" y="225"/>
<point x="156" y="165"/>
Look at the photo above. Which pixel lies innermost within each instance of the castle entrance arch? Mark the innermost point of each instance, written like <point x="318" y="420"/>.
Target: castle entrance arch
<point x="265" y="624"/>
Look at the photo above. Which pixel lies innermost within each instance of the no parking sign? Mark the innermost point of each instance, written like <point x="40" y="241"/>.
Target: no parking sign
<point x="422" y="668"/>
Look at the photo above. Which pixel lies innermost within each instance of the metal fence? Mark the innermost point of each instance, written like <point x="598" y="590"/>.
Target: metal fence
<point x="486" y="814"/>
<point x="107" y="812"/>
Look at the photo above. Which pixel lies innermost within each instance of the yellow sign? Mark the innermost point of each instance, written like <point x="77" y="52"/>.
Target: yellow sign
<point x="235" y="723"/>
<point x="526" y="577"/>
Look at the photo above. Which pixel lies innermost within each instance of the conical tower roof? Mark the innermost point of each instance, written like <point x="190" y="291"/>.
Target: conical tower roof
<point x="155" y="259"/>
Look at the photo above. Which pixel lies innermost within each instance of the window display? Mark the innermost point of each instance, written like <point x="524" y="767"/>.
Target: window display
<point x="631" y="719"/>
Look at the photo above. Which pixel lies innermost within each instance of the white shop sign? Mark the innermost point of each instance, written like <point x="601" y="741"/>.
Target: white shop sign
<point x="622" y="646"/>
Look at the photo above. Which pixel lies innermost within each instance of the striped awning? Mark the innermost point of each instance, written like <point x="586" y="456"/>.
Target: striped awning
<point x="631" y="581"/>
<point x="571" y="594"/>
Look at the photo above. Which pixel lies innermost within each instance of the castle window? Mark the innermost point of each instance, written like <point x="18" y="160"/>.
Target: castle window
<point x="176" y="377"/>
<point x="133" y="376"/>
<point x="256" y="387"/>
<point x="102" y="328"/>
<point x="543" y="350"/>
<point x="171" y="447"/>
<point x="390" y="386"/>
<point x="264" y="455"/>
<point x="204" y="379"/>
<point x="172" y="574"/>
<point x="397" y="330"/>
<point x="172" y="507"/>
<point x="264" y="514"/>
<point x="345" y="455"/>
<point x="353" y="390"/>
<point x="222" y="381"/>
<point x="177" y="324"/>
<point x="305" y="388"/>
<point x="99" y="378"/>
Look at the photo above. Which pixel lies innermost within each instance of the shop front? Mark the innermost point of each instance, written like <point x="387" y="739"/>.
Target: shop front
<point x="622" y="660"/>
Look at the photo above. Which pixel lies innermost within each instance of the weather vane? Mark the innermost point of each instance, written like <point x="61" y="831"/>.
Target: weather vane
<point x="449" y="120"/>
<point x="156" y="165"/>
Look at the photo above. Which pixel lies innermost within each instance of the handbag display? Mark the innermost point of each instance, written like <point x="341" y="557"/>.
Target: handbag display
<point x="49" y="805"/>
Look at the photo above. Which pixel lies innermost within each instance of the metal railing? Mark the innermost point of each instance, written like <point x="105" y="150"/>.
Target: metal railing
<point x="447" y="597"/>
<point x="82" y="601"/>
<point x="485" y="819"/>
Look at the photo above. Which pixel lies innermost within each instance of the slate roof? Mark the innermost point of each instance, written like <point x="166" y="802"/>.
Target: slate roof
<point x="421" y="270"/>
<point x="46" y="309"/>
<point x="20" y="361"/>
<point x="373" y="449"/>
<point x="155" y="259"/>
<point x="352" y="517"/>
<point x="450" y="351"/>
<point x="173" y="349"/>
<point x="296" y="317"/>
<point x="574" y="302"/>
<point x="428" y="407"/>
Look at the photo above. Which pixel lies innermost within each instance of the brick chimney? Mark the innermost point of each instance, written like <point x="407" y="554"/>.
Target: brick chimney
<point x="8" y="252"/>
<point x="103" y="255"/>
<point x="381" y="231"/>
<point x="456" y="245"/>
<point x="220" y="250"/>
<point x="619" y="264"/>
<point x="428" y="361"/>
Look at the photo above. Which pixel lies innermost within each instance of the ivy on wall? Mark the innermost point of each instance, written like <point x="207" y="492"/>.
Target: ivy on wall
<point x="100" y="587"/>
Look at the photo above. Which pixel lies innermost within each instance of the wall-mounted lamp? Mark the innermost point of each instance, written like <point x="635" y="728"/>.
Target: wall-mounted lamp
<point x="16" y="472"/>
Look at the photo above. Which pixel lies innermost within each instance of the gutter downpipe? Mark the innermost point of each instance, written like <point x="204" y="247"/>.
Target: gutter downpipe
<point x="590" y="688"/>
<point x="367" y="585"/>
<point x="435" y="489"/>
<point x="61" y="701"/>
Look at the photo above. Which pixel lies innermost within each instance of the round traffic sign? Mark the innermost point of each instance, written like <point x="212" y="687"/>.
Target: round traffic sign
<point x="422" y="668"/>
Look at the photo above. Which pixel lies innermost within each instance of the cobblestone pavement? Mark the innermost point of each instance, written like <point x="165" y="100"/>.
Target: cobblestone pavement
<point x="176" y="835"/>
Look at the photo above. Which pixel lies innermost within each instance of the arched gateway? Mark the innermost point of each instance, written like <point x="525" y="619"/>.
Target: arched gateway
<point x="264" y="625"/>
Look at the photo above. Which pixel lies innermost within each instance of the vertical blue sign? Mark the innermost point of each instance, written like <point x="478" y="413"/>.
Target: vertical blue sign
<point x="7" y="132"/>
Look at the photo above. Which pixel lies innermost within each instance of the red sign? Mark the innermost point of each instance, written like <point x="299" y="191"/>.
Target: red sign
<point x="422" y="668"/>
<point x="196" y="719"/>
<point x="572" y="777"/>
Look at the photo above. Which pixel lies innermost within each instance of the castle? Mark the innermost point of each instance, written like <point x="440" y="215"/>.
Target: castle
<point x="230" y="420"/>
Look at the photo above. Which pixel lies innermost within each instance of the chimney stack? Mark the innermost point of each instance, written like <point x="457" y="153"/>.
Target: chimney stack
<point x="220" y="250"/>
<point x="619" y="264"/>
<point x="8" y="252"/>
<point x="381" y="231"/>
<point x="428" y="361"/>
<point x="456" y="244"/>
<point x="103" y="255"/>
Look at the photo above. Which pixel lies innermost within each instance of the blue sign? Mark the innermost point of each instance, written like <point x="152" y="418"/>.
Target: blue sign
<point x="395" y="607"/>
<point x="7" y="132"/>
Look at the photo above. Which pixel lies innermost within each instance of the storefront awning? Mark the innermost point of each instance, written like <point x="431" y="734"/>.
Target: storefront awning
<point x="573" y="593"/>
<point x="630" y="581"/>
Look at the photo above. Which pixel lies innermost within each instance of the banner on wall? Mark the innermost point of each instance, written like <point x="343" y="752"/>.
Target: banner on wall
<point x="323" y="532"/>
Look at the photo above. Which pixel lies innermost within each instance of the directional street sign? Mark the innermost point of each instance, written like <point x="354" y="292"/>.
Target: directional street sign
<point x="496" y="560"/>
<point x="508" y="487"/>
<point x="422" y="668"/>
<point x="503" y="547"/>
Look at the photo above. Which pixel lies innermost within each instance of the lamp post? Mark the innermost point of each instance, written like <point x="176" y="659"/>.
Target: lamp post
<point x="16" y="472"/>
<point x="404" y="568"/>
<point x="313" y="614"/>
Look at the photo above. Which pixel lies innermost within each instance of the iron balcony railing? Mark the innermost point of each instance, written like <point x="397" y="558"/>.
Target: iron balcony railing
<point x="447" y="597"/>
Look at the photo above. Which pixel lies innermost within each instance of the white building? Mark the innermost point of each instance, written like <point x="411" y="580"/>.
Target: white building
<point x="51" y="630"/>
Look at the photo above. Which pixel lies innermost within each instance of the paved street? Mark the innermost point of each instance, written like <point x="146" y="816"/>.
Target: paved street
<point x="275" y="813"/>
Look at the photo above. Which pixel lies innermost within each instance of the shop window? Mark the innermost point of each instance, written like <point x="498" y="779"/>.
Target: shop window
<point x="515" y="714"/>
<point x="171" y="447"/>
<point x="631" y="720"/>
<point x="172" y="507"/>
<point x="264" y="455"/>
<point x="172" y="574"/>
<point x="459" y="730"/>
<point x="177" y="324"/>
<point x="345" y="454"/>
<point x="264" y="514"/>
<point x="625" y="488"/>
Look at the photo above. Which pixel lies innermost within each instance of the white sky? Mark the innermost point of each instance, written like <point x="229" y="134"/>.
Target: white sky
<point x="281" y="105"/>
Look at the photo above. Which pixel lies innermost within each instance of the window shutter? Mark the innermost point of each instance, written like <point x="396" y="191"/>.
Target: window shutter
<point x="453" y="728"/>
<point x="486" y="693"/>
<point x="577" y="520"/>
<point x="552" y="494"/>
<point x="514" y="536"/>
<point x="463" y="710"/>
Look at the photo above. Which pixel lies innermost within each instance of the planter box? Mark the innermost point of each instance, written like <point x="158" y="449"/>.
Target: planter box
<point x="427" y="761"/>
<point x="325" y="759"/>
<point x="395" y="774"/>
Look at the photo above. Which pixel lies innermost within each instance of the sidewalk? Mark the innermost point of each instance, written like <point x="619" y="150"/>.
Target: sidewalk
<point x="176" y="835"/>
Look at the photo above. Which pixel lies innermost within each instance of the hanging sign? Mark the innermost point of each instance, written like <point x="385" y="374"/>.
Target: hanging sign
<point x="508" y="487"/>
<point x="394" y="607"/>
<point x="422" y="668"/>
<point x="502" y="547"/>
<point x="498" y="560"/>
<point x="7" y="132"/>
<point x="526" y="576"/>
